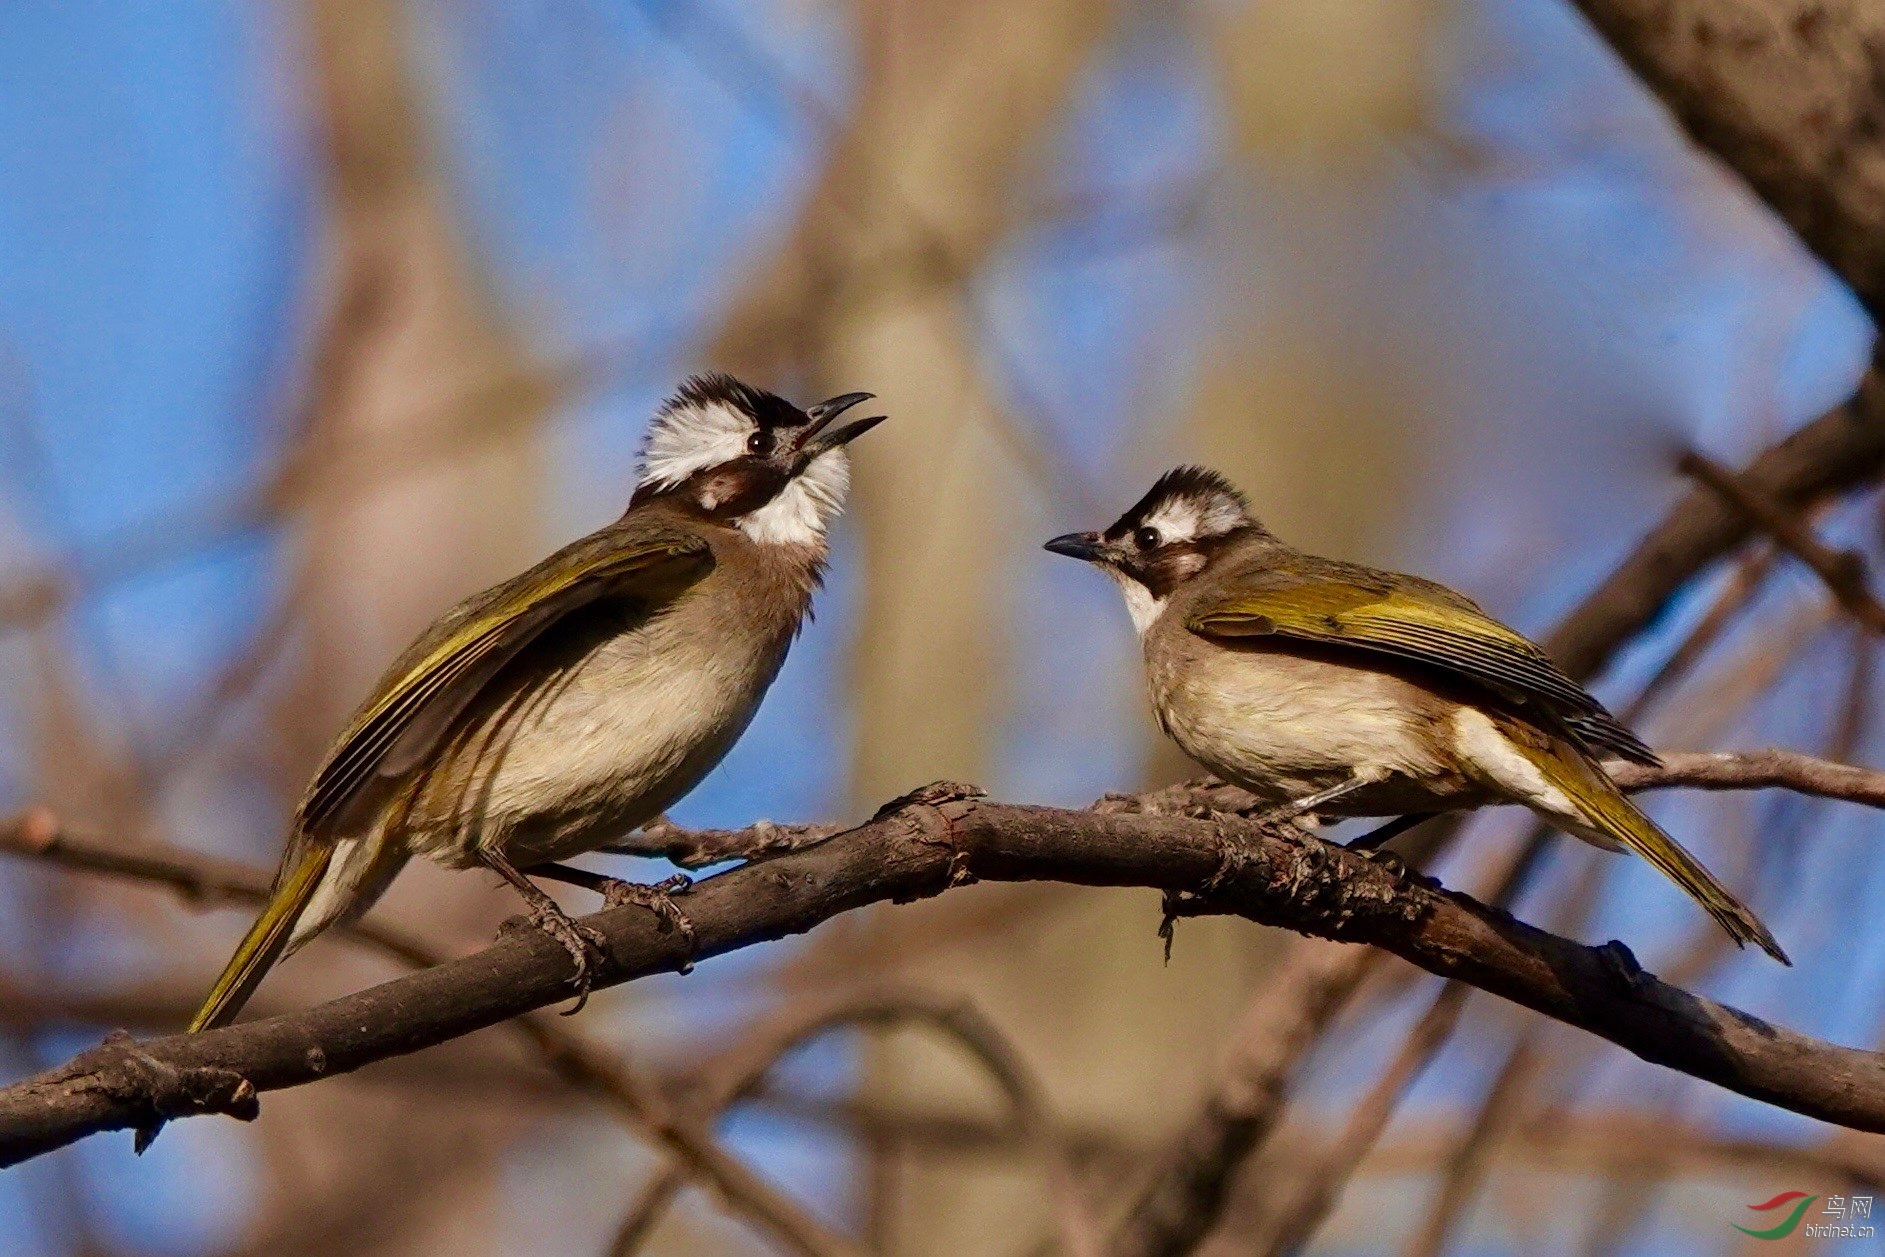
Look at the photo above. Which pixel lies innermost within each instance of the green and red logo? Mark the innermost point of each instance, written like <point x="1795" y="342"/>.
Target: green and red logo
<point x="1786" y="1226"/>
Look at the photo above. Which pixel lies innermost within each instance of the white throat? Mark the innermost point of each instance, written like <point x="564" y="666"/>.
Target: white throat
<point x="1140" y="603"/>
<point x="804" y="509"/>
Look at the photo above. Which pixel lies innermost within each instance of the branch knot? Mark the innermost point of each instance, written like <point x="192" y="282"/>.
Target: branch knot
<point x="121" y="1069"/>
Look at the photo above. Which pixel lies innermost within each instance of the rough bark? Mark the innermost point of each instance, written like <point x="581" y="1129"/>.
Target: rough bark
<point x="920" y="848"/>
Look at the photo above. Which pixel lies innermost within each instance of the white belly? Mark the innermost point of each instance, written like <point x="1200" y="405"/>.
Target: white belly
<point x="619" y="738"/>
<point x="1282" y="726"/>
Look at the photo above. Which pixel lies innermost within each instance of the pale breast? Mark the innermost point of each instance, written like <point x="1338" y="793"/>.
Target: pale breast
<point x="1282" y="724"/>
<point x="630" y="723"/>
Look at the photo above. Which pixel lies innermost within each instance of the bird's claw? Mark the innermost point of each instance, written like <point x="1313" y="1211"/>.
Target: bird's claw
<point x="658" y="899"/>
<point x="584" y="943"/>
<point x="1391" y="861"/>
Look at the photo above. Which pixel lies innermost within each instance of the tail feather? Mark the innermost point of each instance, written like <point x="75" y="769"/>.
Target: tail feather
<point x="263" y="945"/>
<point x="1612" y="816"/>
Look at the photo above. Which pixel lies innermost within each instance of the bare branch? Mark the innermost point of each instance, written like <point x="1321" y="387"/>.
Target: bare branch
<point x="699" y="848"/>
<point x="1756" y="770"/>
<point x="746" y="1067"/>
<point x="38" y="834"/>
<point x="1190" y="1182"/>
<point x="922" y="848"/>
<point x="1320" y="1184"/>
<point x="1843" y="571"/>
<point x="1842" y="449"/>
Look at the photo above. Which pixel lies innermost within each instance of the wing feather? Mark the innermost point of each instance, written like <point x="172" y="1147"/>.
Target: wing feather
<point x="1416" y="620"/>
<point x="417" y="700"/>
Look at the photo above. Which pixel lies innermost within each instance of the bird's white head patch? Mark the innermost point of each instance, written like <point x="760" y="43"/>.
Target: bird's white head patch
<point x="1190" y="516"/>
<point x="1185" y="504"/>
<point x="748" y="458"/>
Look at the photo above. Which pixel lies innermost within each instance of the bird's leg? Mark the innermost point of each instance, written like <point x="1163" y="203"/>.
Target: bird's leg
<point x="1310" y="802"/>
<point x="617" y="893"/>
<point x="1372" y="840"/>
<point x="568" y="874"/>
<point x="579" y="940"/>
<point x="1370" y="846"/>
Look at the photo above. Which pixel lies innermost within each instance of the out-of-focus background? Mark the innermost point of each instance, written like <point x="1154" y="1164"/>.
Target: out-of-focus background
<point x="316" y="315"/>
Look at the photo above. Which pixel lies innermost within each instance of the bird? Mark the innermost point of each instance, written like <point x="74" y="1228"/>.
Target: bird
<point x="1329" y="689"/>
<point x="555" y="712"/>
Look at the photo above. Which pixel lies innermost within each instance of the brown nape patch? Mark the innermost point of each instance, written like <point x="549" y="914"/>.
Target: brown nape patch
<point x="722" y="493"/>
<point x="1163" y="570"/>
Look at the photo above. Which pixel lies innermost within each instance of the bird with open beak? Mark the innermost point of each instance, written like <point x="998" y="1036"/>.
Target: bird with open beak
<point x="1329" y="689"/>
<point x="555" y="712"/>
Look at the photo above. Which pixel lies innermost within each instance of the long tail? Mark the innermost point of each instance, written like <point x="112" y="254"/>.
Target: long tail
<point x="1604" y="808"/>
<point x="263" y="945"/>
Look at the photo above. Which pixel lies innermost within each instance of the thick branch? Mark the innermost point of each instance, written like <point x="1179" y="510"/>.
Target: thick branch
<point x="1785" y="92"/>
<point x="1843" y="449"/>
<point x="919" y="849"/>
<point x="38" y="834"/>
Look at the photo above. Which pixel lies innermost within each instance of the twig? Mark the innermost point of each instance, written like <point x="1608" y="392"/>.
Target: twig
<point x="1628" y="1145"/>
<point x="699" y="848"/>
<point x="1465" y="1166"/>
<point x="1186" y="1191"/>
<point x="1756" y="770"/>
<point x="745" y="1069"/>
<point x="1838" y="451"/>
<point x="1843" y="571"/>
<point x="1322" y="1181"/>
<point x="1771" y="769"/>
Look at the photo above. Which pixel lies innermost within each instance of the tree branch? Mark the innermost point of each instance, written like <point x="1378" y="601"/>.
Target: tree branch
<point x="921" y="847"/>
<point x="1842" y="571"/>
<point x="1840" y="450"/>
<point x="745" y="1068"/>
<point x="1755" y="770"/>
<point x="38" y="834"/>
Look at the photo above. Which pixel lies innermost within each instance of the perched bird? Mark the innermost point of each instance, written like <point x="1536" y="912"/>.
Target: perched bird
<point x="555" y="712"/>
<point x="1330" y="689"/>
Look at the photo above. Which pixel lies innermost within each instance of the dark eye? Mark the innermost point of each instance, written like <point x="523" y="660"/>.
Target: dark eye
<point x="759" y="443"/>
<point x="1146" y="538"/>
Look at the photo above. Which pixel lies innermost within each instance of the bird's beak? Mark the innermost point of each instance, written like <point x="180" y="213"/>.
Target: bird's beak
<point x="819" y="436"/>
<point x="1085" y="546"/>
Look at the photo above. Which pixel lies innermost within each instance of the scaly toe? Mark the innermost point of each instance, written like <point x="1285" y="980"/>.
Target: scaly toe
<point x="584" y="944"/>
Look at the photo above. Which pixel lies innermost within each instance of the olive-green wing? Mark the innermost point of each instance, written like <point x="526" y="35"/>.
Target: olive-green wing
<point x="1413" y="619"/>
<point x="430" y="684"/>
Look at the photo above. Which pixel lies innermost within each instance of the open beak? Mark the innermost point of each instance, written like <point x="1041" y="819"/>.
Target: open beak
<point x="1085" y="546"/>
<point x="820" y="436"/>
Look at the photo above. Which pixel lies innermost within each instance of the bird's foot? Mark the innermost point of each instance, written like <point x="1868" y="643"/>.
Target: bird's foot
<point x="658" y="899"/>
<point x="585" y="944"/>
<point x="1391" y="861"/>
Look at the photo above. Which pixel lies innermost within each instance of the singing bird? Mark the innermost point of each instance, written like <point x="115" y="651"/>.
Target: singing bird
<point x="1330" y="689"/>
<point x="555" y="712"/>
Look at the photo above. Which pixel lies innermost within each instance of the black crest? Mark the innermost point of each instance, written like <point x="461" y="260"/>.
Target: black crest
<point x="1215" y="498"/>
<point x="768" y="410"/>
